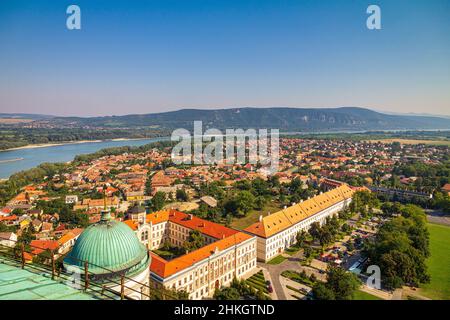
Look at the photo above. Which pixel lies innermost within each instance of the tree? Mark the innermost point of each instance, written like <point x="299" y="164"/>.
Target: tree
<point x="229" y="293"/>
<point x="229" y="220"/>
<point x="195" y="241"/>
<point x="401" y="247"/>
<point x="300" y="237"/>
<point x="346" y="228"/>
<point x="326" y="235"/>
<point x="260" y="202"/>
<point x="314" y="230"/>
<point x="158" y="201"/>
<point x="18" y="212"/>
<point x="342" y="283"/>
<point x="321" y="292"/>
<point x="245" y="201"/>
<point x="26" y="237"/>
<point x="182" y="195"/>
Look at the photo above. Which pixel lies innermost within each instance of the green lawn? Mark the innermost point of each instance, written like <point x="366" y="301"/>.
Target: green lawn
<point x="171" y="253"/>
<point x="292" y="250"/>
<point x="258" y="282"/>
<point x="438" y="263"/>
<point x="253" y="215"/>
<point x="277" y="260"/>
<point x="361" y="295"/>
<point x="298" y="277"/>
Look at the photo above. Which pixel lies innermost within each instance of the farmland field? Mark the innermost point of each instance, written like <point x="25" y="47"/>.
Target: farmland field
<point x="414" y="141"/>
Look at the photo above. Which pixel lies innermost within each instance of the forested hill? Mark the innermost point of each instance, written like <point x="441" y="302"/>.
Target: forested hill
<point x="285" y="119"/>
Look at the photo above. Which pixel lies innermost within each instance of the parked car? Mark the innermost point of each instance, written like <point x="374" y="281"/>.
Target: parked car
<point x="269" y="288"/>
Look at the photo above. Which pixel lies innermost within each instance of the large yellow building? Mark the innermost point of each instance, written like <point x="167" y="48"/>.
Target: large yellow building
<point x="278" y="231"/>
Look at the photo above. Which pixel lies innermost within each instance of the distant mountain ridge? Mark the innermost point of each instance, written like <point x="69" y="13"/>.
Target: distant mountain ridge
<point x="32" y="116"/>
<point x="285" y="119"/>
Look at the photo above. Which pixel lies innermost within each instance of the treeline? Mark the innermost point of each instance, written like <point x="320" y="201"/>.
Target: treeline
<point x="401" y="246"/>
<point x="18" y="137"/>
<point x="120" y="150"/>
<point x="428" y="176"/>
<point x="376" y="135"/>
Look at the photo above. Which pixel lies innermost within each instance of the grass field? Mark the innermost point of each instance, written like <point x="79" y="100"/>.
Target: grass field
<point x="414" y="141"/>
<point x="361" y="295"/>
<point x="277" y="260"/>
<point x="253" y="216"/>
<point x="438" y="263"/>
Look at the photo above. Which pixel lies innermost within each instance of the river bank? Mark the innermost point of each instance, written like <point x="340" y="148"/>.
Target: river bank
<point x="34" y="155"/>
<point x="46" y="145"/>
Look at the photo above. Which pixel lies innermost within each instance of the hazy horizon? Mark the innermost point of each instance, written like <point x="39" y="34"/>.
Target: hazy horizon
<point x="230" y="107"/>
<point x="159" y="56"/>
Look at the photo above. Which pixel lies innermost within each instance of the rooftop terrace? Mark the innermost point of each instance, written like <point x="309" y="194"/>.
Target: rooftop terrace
<point x="33" y="284"/>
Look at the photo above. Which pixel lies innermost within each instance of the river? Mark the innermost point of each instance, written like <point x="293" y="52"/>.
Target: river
<point x="12" y="161"/>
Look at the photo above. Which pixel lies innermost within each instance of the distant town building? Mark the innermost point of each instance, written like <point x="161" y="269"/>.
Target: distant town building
<point x="210" y="201"/>
<point x="8" y="239"/>
<point x="401" y="195"/>
<point x="71" y="199"/>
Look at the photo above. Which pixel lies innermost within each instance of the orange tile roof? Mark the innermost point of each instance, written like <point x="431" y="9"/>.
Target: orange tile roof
<point x="28" y="256"/>
<point x="206" y="227"/>
<point x="69" y="236"/>
<point x="157" y="217"/>
<point x="132" y="224"/>
<point x="165" y="268"/>
<point x="8" y="218"/>
<point x="39" y="246"/>
<point x="283" y="219"/>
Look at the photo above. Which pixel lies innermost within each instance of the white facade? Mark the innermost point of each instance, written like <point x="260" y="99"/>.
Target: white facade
<point x="272" y="246"/>
<point x="202" y="278"/>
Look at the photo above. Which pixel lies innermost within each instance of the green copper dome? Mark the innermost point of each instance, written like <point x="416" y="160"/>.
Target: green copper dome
<point x="110" y="245"/>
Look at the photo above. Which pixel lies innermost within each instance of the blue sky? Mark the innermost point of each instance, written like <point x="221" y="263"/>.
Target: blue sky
<point x="153" y="56"/>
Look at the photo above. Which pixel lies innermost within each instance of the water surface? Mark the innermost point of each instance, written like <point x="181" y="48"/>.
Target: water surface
<point x="13" y="161"/>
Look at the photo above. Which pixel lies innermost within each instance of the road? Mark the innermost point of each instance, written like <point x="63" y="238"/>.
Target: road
<point x="438" y="217"/>
<point x="291" y="263"/>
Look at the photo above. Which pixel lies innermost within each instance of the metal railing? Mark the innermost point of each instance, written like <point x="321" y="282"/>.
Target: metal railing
<point x="89" y="285"/>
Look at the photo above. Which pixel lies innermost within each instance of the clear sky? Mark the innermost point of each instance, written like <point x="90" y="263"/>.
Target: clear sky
<point x="161" y="55"/>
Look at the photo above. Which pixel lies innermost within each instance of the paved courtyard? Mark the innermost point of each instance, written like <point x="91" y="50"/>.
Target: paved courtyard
<point x="291" y="263"/>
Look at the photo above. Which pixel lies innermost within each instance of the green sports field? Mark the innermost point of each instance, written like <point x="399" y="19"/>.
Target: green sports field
<point x="438" y="263"/>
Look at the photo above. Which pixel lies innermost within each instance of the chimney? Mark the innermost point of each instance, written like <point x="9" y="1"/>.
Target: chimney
<point x="190" y="216"/>
<point x="260" y="217"/>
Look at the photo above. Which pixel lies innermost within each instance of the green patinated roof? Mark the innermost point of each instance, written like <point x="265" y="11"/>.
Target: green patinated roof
<point x="111" y="245"/>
